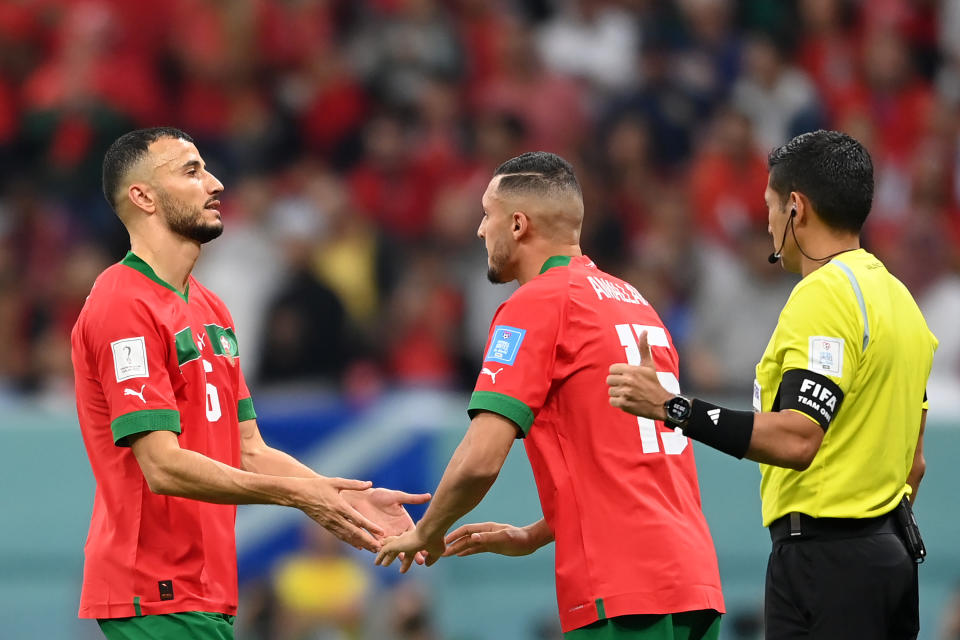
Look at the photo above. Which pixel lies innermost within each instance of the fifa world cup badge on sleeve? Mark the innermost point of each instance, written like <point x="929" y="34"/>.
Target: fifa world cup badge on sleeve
<point x="130" y="358"/>
<point x="504" y="344"/>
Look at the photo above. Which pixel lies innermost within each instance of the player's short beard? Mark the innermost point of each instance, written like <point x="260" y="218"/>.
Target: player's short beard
<point x="187" y="221"/>
<point x="499" y="257"/>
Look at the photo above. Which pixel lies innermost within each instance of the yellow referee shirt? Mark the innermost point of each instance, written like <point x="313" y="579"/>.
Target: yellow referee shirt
<point x="853" y="322"/>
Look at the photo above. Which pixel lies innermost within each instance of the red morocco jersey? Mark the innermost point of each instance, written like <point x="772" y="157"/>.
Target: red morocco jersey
<point x="619" y="493"/>
<point x="147" y="358"/>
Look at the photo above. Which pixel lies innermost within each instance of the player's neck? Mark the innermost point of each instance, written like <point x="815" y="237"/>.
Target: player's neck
<point x="531" y="266"/>
<point x="825" y="244"/>
<point x="172" y="258"/>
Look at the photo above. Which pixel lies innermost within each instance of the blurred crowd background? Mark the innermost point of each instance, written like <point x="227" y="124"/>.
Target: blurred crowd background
<point x="356" y="138"/>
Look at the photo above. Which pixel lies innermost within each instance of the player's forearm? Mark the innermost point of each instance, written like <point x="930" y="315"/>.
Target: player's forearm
<point x="919" y="466"/>
<point x="784" y="439"/>
<point x="273" y="462"/>
<point x="461" y="489"/>
<point x="540" y="533"/>
<point x="188" y="474"/>
<point x="471" y="472"/>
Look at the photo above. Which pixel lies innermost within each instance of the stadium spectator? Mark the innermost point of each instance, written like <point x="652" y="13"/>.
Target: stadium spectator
<point x="662" y="262"/>
<point x="410" y="614"/>
<point x="551" y="106"/>
<point x="387" y="186"/>
<point x="720" y="354"/>
<point x="941" y="306"/>
<point x="828" y="49"/>
<point x="707" y="55"/>
<point x="329" y="104"/>
<point x="320" y="590"/>
<point x="596" y="40"/>
<point x="421" y="325"/>
<point x="778" y="99"/>
<point x="402" y="46"/>
<point x="305" y="334"/>
<point x="950" y="618"/>
<point x="726" y="177"/>
<point x="630" y="184"/>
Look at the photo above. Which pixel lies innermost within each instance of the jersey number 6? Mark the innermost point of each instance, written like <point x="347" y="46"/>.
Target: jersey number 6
<point x="673" y="442"/>
<point x="213" y="397"/>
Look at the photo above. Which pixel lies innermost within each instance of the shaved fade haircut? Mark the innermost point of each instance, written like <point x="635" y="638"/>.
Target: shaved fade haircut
<point x="538" y="173"/>
<point x="126" y="151"/>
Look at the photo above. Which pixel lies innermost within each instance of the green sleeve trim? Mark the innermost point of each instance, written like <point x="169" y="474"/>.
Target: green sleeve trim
<point x="136" y="606"/>
<point x="507" y="406"/>
<point x="146" y="420"/>
<point x="245" y="410"/>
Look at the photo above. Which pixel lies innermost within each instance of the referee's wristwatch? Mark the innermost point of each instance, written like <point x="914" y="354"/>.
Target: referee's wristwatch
<point x="678" y="410"/>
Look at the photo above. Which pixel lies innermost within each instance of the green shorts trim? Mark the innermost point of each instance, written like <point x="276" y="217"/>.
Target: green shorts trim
<point x="687" y="625"/>
<point x="187" y="625"/>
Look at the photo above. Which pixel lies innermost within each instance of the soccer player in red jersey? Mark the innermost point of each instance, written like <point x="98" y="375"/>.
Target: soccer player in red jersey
<point x="634" y="557"/>
<point x="168" y="422"/>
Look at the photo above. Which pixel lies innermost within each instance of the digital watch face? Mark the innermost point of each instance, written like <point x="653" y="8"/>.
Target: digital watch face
<point x="678" y="409"/>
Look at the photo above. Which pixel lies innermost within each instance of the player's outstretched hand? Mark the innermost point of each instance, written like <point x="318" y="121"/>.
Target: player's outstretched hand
<point x="406" y="546"/>
<point x="385" y="507"/>
<point x="325" y="504"/>
<point x="491" y="537"/>
<point x="636" y="388"/>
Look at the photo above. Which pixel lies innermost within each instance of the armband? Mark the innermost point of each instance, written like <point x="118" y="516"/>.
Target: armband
<point x="812" y="394"/>
<point x="723" y="429"/>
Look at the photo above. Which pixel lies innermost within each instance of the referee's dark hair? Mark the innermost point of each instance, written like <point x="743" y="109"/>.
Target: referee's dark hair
<point x="126" y="151"/>
<point x="832" y="169"/>
<point x="537" y="172"/>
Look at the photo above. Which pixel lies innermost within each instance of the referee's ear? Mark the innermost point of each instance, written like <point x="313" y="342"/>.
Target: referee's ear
<point x="800" y="208"/>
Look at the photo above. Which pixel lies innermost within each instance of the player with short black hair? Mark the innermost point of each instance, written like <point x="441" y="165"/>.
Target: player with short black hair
<point x="832" y="170"/>
<point x="168" y="422"/>
<point x="537" y="172"/>
<point x="620" y="496"/>
<point x="839" y="409"/>
<point x="125" y="152"/>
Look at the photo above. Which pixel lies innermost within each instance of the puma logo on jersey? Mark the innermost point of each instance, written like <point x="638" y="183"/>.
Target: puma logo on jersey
<point x="200" y="342"/>
<point x="139" y="394"/>
<point x="492" y="374"/>
<point x="714" y="415"/>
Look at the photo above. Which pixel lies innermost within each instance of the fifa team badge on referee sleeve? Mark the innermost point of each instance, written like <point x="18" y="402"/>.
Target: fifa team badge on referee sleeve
<point x="826" y="355"/>
<point x="504" y="344"/>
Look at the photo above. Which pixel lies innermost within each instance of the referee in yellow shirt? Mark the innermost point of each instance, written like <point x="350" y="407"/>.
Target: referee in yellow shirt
<point x="839" y="405"/>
